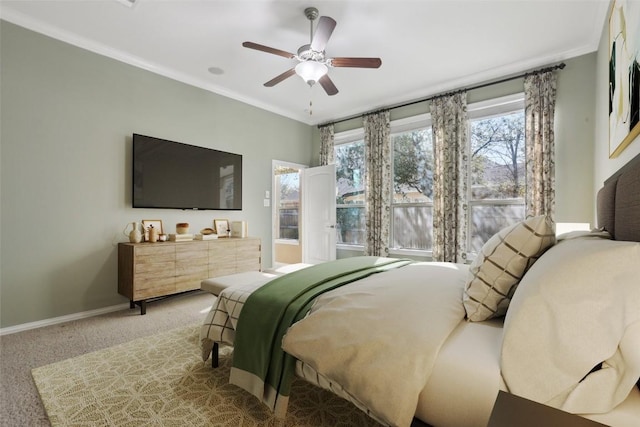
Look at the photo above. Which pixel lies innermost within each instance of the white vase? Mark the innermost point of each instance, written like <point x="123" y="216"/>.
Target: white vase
<point x="135" y="236"/>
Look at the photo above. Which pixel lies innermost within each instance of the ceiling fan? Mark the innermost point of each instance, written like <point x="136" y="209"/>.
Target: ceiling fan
<point x="313" y="63"/>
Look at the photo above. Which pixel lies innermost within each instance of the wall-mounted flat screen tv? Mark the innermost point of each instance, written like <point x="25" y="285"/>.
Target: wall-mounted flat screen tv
<point x="173" y="175"/>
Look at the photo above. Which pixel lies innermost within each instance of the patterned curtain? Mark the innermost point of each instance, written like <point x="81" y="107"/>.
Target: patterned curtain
<point x="326" y="145"/>
<point x="540" y="101"/>
<point x="377" y="142"/>
<point x="450" y="178"/>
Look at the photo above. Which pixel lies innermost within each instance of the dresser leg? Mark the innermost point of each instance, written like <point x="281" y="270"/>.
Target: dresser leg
<point x="142" y="304"/>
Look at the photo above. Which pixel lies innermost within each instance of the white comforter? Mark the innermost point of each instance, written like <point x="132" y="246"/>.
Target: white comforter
<point x="385" y="371"/>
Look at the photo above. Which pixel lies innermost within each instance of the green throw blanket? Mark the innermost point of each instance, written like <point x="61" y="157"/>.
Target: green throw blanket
<point x="260" y="366"/>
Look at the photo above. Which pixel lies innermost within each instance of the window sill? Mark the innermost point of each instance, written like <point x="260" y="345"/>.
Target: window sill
<point x="415" y="253"/>
<point x="353" y="248"/>
<point x="411" y="253"/>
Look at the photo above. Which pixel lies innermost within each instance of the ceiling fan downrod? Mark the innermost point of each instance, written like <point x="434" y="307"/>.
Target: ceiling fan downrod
<point x="312" y="14"/>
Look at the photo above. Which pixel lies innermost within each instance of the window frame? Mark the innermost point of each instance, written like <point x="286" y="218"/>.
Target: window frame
<point x="342" y="138"/>
<point x="407" y="124"/>
<point x="494" y="107"/>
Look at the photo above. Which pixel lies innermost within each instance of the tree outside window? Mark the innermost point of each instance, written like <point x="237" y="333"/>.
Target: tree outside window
<point x="412" y="198"/>
<point x="287" y="182"/>
<point x="350" y="180"/>
<point x="497" y="175"/>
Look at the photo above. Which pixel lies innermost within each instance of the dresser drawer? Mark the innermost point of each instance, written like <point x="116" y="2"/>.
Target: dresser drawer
<point x="150" y="270"/>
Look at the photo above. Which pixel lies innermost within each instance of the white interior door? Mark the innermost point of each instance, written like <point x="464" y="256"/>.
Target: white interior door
<point x="319" y="214"/>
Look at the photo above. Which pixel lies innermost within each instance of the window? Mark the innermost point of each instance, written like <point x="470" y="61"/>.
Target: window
<point x="412" y="189"/>
<point x="287" y="187"/>
<point x="497" y="163"/>
<point x="350" y="181"/>
<point x="497" y="177"/>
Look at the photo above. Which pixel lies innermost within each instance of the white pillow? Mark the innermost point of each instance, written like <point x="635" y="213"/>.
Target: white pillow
<point x="501" y="263"/>
<point x="580" y="234"/>
<point x="577" y="307"/>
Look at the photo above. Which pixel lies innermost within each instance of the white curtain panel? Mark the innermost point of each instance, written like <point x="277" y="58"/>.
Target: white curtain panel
<point x="540" y="101"/>
<point x="377" y="139"/>
<point x="327" y="155"/>
<point x="450" y="178"/>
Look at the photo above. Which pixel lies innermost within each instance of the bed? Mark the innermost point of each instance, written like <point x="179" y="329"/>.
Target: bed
<point x="556" y="321"/>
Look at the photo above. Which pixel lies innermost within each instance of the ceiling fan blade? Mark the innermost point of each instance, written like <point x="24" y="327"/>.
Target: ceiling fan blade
<point x="274" y="81"/>
<point x="356" y="62"/>
<point x="268" y="49"/>
<point x="328" y="85"/>
<point x="323" y="32"/>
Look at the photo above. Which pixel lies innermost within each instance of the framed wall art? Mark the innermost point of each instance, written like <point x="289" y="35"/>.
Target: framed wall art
<point x="624" y="75"/>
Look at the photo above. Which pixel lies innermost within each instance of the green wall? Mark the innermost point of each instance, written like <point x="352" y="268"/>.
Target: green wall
<point x="66" y="125"/>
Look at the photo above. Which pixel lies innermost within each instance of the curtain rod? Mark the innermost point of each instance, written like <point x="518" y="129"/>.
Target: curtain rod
<point x="480" y="86"/>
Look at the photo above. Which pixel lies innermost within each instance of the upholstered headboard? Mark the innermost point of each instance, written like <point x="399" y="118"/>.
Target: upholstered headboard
<point x="619" y="203"/>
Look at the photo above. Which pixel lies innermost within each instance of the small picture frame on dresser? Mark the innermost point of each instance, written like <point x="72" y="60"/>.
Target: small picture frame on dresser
<point x="156" y="223"/>
<point x="239" y="229"/>
<point x="221" y="227"/>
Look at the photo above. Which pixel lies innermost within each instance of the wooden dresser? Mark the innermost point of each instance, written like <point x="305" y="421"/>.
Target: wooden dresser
<point x="148" y="271"/>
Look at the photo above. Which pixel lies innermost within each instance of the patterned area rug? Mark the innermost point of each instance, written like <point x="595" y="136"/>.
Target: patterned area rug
<point x="162" y="381"/>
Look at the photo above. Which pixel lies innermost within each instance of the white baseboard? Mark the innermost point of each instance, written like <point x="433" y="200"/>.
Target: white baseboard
<point x="62" y="319"/>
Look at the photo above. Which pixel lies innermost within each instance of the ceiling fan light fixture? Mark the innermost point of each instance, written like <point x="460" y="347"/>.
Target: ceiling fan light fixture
<point x="311" y="71"/>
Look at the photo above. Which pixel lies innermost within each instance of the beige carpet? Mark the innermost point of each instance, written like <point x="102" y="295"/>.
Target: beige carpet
<point x="161" y="381"/>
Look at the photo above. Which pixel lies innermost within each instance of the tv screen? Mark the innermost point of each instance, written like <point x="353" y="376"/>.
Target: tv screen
<point x="173" y="175"/>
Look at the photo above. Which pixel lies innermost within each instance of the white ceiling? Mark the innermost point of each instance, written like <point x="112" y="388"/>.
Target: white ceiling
<point x="427" y="47"/>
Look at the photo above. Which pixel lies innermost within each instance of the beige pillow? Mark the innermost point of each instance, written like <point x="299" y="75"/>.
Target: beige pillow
<point x="501" y="263"/>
